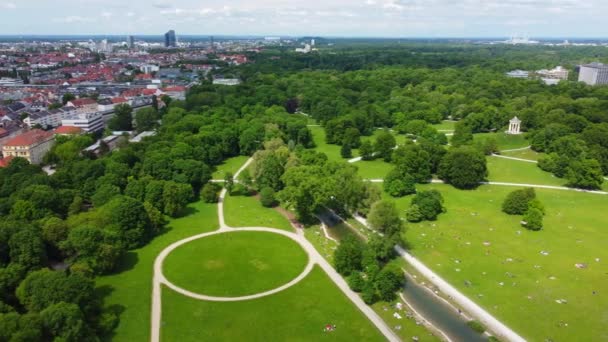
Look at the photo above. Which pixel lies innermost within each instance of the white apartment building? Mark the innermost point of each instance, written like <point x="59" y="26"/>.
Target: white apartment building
<point x="593" y="74"/>
<point x="51" y="118"/>
<point x="88" y="122"/>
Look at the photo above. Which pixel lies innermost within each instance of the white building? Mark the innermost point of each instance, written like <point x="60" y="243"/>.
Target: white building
<point x="149" y="68"/>
<point x="558" y="73"/>
<point x="227" y="81"/>
<point x="88" y="122"/>
<point x="593" y="74"/>
<point x="514" y="126"/>
<point x="518" y="74"/>
<point x="51" y="118"/>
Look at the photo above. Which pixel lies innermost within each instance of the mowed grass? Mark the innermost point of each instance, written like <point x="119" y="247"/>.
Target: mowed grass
<point x="445" y="126"/>
<point x="523" y="154"/>
<point x="247" y="211"/>
<point x="229" y="165"/>
<point x="129" y="291"/>
<point x="373" y="169"/>
<point x="299" y="313"/>
<point x="503" y="140"/>
<point x="217" y="265"/>
<point x="515" y="171"/>
<point x="475" y="243"/>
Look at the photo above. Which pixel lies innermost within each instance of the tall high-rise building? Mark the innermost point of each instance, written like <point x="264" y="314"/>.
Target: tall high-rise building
<point x="593" y="73"/>
<point x="170" y="39"/>
<point x="131" y="41"/>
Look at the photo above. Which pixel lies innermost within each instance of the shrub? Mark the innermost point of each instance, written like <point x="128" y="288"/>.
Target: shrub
<point x="476" y="326"/>
<point x="533" y="219"/>
<point x="267" y="197"/>
<point x="413" y="214"/>
<point x="356" y="282"/>
<point x="346" y="151"/>
<point x="209" y="193"/>
<point x="517" y="201"/>
<point x="429" y="203"/>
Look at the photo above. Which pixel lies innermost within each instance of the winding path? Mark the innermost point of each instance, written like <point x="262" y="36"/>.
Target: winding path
<point x="314" y="258"/>
<point x="524" y="185"/>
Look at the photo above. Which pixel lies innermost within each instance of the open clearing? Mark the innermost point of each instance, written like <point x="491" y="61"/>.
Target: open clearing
<point x="297" y="314"/>
<point x="229" y="165"/>
<point x="235" y="264"/>
<point x="520" y="275"/>
<point x="247" y="211"/>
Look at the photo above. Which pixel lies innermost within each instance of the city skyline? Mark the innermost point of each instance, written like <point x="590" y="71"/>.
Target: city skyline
<point x="365" y="18"/>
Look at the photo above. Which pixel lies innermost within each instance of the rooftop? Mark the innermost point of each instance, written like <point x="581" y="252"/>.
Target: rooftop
<point x="29" y="138"/>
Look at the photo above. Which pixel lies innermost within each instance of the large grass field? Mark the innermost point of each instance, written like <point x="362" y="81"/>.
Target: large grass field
<point x="229" y="165"/>
<point x="373" y="169"/>
<point x="503" y="140"/>
<point x="218" y="265"/>
<point x="129" y="289"/>
<point x="514" y="171"/>
<point x="247" y="211"/>
<point x="523" y="154"/>
<point x="299" y="313"/>
<point x="497" y="263"/>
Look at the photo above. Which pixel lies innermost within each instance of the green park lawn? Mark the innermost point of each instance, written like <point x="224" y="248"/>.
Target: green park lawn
<point x="373" y="169"/>
<point x="445" y="126"/>
<point x="129" y="289"/>
<point x="299" y="313"/>
<point x="497" y="263"/>
<point x="217" y="265"/>
<point x="247" y="211"/>
<point x="504" y="141"/>
<point x="229" y="165"/>
<point x="523" y="154"/>
<point x="514" y="171"/>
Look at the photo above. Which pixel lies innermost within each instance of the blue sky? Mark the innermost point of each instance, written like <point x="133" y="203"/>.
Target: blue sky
<point x="383" y="18"/>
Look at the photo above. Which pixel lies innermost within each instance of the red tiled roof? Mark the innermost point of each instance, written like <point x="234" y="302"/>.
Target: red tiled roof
<point x="29" y="138"/>
<point x="83" y="102"/>
<point x="3" y="132"/>
<point x="5" y="161"/>
<point x="116" y="100"/>
<point x="149" y="91"/>
<point x="174" y="89"/>
<point x="68" y="130"/>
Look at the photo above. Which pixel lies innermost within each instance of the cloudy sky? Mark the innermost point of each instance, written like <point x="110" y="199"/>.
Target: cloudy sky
<point x="385" y="18"/>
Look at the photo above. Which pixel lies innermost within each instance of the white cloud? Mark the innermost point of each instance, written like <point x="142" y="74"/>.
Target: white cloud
<point x="106" y="14"/>
<point x="73" y="19"/>
<point x="8" y="5"/>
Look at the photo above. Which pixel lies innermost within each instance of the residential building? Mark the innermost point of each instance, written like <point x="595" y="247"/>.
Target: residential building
<point x="149" y="68"/>
<point x="593" y="74"/>
<point x="88" y="122"/>
<point x="176" y="92"/>
<point x="518" y="74"/>
<point x="227" y="81"/>
<point x="84" y="105"/>
<point x="50" y="118"/>
<point x="558" y="73"/>
<point x="170" y="39"/>
<point x="31" y="145"/>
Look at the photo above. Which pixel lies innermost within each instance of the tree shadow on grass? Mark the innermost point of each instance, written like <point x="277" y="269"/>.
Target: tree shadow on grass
<point x="111" y="313"/>
<point x="127" y="262"/>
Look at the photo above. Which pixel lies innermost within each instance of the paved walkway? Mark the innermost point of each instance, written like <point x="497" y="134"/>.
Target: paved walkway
<point x="524" y="185"/>
<point x="475" y="310"/>
<point x="517" y="149"/>
<point x="514" y="158"/>
<point x="314" y="259"/>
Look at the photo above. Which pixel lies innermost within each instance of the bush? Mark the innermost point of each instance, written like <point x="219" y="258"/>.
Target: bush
<point x="346" y="151"/>
<point x="267" y="197"/>
<point x="398" y="184"/>
<point x="517" y="201"/>
<point x="533" y="219"/>
<point x="369" y="293"/>
<point x="464" y="168"/>
<point x="476" y="326"/>
<point x="413" y="214"/>
<point x="356" y="282"/>
<point x="209" y="193"/>
<point x="429" y="203"/>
